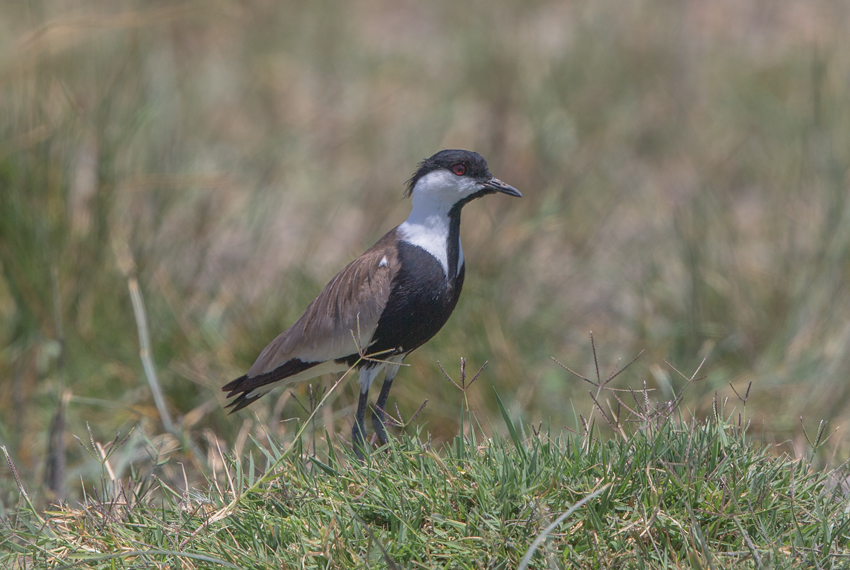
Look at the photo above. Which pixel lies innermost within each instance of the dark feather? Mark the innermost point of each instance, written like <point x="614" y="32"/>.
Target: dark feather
<point x="245" y="385"/>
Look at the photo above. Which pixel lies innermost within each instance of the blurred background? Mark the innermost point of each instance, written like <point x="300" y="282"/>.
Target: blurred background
<point x="685" y="168"/>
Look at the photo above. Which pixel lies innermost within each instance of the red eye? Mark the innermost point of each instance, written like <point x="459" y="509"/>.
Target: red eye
<point x="459" y="169"/>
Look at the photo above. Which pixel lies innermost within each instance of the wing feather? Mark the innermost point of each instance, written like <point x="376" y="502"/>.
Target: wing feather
<point x="352" y="301"/>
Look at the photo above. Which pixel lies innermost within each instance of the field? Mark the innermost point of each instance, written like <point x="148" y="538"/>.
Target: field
<point x="178" y="181"/>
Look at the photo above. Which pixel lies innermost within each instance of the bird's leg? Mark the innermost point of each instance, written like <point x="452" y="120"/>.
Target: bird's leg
<point x="380" y="405"/>
<point x="358" y="431"/>
<point x="378" y="413"/>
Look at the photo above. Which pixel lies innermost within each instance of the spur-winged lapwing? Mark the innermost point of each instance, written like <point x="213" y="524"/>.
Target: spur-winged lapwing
<point x="394" y="297"/>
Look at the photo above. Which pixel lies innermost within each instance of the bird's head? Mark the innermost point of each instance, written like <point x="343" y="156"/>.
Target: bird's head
<point x="454" y="177"/>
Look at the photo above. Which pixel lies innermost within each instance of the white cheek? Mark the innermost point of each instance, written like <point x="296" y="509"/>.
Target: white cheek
<point x="467" y="186"/>
<point x="444" y="185"/>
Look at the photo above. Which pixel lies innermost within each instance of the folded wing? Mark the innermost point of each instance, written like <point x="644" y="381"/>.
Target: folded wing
<point x="348" y="308"/>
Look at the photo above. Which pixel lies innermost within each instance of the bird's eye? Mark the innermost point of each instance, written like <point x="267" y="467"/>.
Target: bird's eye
<point x="459" y="169"/>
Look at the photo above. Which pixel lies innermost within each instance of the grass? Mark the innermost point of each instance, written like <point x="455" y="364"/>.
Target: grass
<point x="684" y="169"/>
<point x="663" y="492"/>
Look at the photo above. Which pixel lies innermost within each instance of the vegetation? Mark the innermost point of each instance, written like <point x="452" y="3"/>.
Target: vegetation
<point x="180" y="180"/>
<point x="663" y="493"/>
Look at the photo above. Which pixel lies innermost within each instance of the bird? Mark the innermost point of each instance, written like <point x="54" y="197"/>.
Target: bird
<point x="389" y="301"/>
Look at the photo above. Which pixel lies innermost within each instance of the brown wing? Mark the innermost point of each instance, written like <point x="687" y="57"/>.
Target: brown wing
<point x="353" y="301"/>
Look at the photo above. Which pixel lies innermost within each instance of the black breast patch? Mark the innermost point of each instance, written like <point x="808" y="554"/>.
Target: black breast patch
<point x="419" y="304"/>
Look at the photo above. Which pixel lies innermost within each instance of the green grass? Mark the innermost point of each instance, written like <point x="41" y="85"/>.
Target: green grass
<point x="663" y="493"/>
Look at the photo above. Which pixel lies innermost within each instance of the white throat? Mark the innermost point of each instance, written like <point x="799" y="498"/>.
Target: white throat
<point x="428" y="225"/>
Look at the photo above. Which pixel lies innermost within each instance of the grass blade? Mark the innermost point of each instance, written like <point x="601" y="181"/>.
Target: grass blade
<point x="542" y="536"/>
<point x="511" y="428"/>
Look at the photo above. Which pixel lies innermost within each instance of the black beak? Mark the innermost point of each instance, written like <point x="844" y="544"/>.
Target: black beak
<point x="497" y="185"/>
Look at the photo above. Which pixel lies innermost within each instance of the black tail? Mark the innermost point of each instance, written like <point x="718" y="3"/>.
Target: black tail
<point x="243" y="399"/>
<point x="243" y="386"/>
